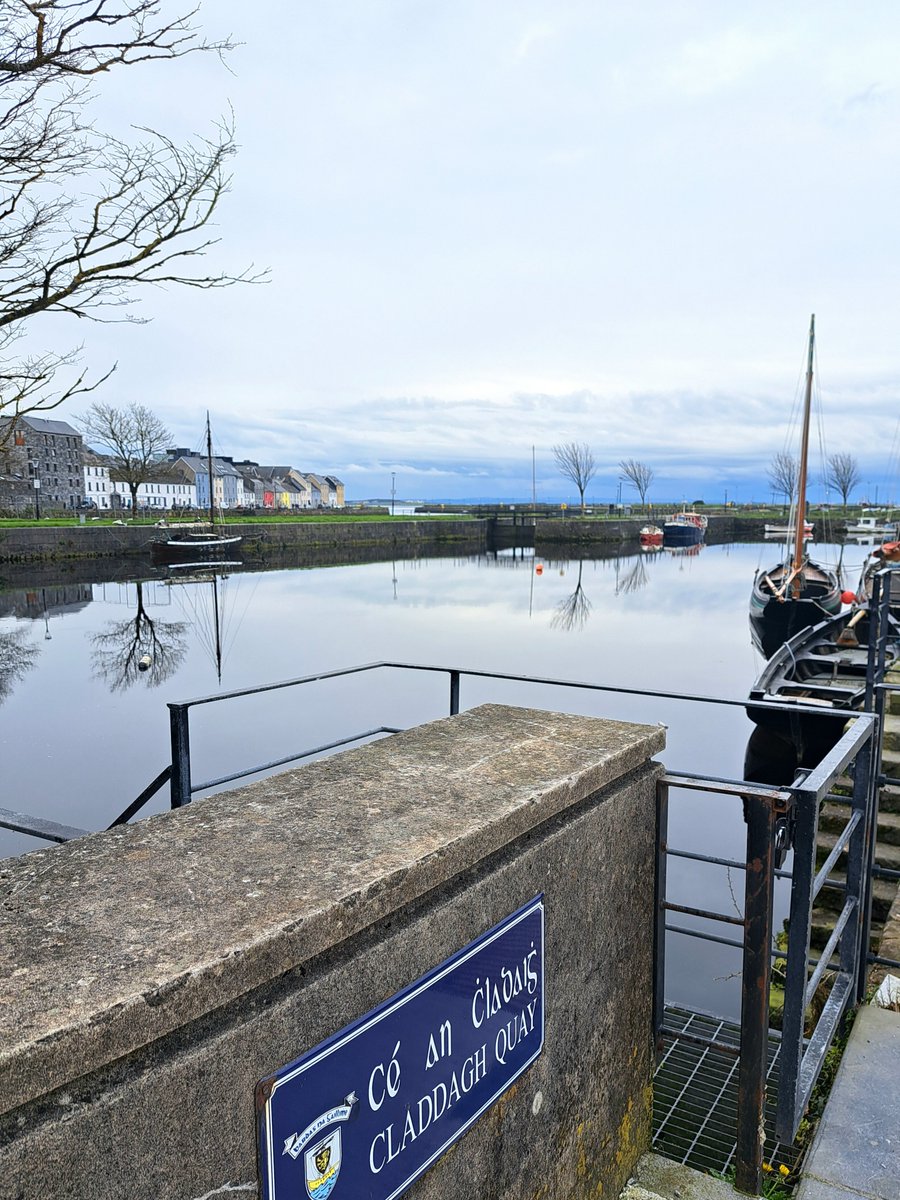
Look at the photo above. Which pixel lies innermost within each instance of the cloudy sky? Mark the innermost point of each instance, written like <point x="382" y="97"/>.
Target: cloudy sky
<point x="494" y="225"/>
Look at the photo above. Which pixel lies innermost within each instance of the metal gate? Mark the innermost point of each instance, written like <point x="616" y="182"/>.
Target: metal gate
<point x="778" y="819"/>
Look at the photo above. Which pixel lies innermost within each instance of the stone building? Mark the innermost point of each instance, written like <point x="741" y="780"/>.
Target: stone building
<point x="46" y="456"/>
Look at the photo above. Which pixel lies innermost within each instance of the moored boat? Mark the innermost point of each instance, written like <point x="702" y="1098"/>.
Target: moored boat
<point x="685" y="528"/>
<point x="651" y="535"/>
<point x="786" y="530"/>
<point x="189" y="542"/>
<point x="796" y="592"/>
<point x="872" y="527"/>
<point x="822" y="666"/>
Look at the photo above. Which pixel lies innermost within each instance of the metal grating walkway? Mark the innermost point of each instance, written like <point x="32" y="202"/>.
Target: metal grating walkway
<point x="695" y="1095"/>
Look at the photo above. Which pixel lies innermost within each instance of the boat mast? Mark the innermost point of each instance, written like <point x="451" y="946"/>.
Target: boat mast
<point x="800" y="519"/>
<point x="209" y="468"/>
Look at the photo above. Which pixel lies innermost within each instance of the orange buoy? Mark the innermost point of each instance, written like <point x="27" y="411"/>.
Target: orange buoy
<point x="848" y="597"/>
<point x="539" y="569"/>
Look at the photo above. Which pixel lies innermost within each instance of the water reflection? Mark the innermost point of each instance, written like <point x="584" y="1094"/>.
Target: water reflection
<point x="17" y="657"/>
<point x="138" y="647"/>
<point x="573" y="610"/>
<point x="656" y="622"/>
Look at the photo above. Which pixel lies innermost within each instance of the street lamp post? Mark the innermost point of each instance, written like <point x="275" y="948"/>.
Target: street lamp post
<point x="36" y="484"/>
<point x="393" y="490"/>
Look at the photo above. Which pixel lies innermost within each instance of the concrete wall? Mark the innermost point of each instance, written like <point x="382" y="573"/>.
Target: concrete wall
<point x="154" y="973"/>
<point x="116" y="541"/>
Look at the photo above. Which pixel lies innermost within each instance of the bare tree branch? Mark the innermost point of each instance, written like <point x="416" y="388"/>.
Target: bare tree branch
<point x="135" y="438"/>
<point x="639" y="476"/>
<point x="575" y="461"/>
<point x="843" y="475"/>
<point x="783" y="474"/>
<point x="144" y="214"/>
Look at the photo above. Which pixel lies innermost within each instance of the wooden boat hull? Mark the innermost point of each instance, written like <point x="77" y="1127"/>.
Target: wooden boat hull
<point x="774" y="620"/>
<point x="194" y="547"/>
<point x="814" y="670"/>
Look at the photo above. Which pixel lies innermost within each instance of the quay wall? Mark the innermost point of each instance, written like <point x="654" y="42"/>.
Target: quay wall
<point x="120" y="541"/>
<point x="154" y="973"/>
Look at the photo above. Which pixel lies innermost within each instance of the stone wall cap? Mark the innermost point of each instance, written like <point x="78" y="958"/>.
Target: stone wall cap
<point x="111" y="941"/>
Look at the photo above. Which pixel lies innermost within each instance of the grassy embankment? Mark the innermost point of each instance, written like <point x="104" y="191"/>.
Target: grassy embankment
<point x="72" y="521"/>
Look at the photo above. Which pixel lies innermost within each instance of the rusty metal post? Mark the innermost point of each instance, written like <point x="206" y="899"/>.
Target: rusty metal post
<point x="180" y="786"/>
<point x="758" y="898"/>
<point x="659" y="924"/>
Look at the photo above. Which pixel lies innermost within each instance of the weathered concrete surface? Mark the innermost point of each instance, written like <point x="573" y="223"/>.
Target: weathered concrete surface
<point x="659" y="1178"/>
<point x="856" y="1150"/>
<point x="154" y="973"/>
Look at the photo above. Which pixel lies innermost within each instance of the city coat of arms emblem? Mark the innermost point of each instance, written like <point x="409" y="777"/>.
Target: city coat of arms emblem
<point x="323" y="1164"/>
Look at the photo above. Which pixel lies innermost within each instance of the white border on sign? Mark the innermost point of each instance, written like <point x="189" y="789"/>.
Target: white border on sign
<point x="366" y="1024"/>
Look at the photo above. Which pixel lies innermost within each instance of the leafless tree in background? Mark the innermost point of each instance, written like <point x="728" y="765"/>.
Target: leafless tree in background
<point x="575" y="461"/>
<point x="639" y="475"/>
<point x="85" y="217"/>
<point x="783" y="474"/>
<point x="843" y="474"/>
<point x="134" y="437"/>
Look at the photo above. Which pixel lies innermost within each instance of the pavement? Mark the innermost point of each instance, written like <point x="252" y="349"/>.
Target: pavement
<point x="855" y="1154"/>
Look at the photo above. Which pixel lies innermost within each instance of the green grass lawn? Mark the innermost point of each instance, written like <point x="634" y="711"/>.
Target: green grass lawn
<point x="342" y="518"/>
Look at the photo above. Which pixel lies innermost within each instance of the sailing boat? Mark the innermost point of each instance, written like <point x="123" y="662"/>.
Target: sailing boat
<point x="797" y="592"/>
<point x="188" y="541"/>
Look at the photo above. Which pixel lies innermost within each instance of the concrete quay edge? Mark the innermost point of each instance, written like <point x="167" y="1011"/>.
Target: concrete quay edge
<point x="110" y="942"/>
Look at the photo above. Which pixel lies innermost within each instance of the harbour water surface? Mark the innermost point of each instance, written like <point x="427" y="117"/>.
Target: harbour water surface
<point x="83" y="730"/>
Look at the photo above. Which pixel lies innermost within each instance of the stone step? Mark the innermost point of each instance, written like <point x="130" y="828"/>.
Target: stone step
<point x="823" y="920"/>
<point x="883" y="893"/>
<point x="891" y="732"/>
<point x="887" y="854"/>
<point x="890" y="763"/>
<point x="889" y="798"/>
<point x="833" y="818"/>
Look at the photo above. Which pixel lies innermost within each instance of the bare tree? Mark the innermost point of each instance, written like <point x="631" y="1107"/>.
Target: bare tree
<point x="141" y="209"/>
<point x="120" y="649"/>
<point x="135" y="438"/>
<point x="843" y="474"/>
<point x="783" y="474"/>
<point x="575" y="461"/>
<point x="639" y="475"/>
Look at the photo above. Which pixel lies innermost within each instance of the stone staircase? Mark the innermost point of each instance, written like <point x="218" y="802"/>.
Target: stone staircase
<point x="832" y="819"/>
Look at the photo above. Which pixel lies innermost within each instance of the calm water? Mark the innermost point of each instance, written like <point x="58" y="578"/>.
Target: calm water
<point x="83" y="731"/>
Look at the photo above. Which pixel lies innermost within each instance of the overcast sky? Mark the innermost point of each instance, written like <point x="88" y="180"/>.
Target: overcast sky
<point x="498" y="224"/>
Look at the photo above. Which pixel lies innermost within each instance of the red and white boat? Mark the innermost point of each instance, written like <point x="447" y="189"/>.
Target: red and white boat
<point x="651" y="535"/>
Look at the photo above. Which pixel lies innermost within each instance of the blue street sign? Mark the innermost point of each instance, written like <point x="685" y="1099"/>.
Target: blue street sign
<point x="367" y="1111"/>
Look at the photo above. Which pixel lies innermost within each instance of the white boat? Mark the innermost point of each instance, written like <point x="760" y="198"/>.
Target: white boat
<point x="787" y="530"/>
<point x="872" y="526"/>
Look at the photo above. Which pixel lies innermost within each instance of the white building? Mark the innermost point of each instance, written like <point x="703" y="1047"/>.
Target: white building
<point x="160" y="493"/>
<point x="96" y="480"/>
